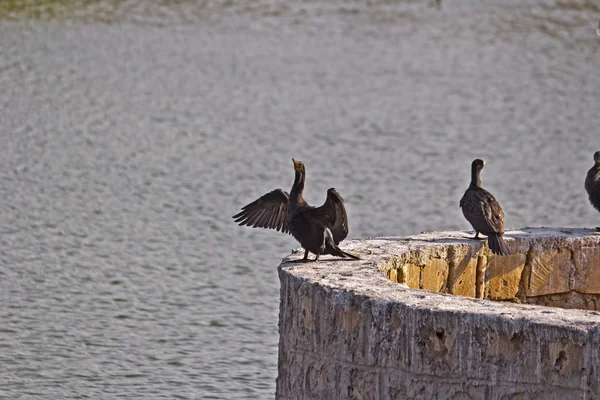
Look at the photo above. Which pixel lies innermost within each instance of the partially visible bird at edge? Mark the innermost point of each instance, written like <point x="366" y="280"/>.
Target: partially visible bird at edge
<point x="318" y="229"/>
<point x="592" y="183"/>
<point x="484" y="213"/>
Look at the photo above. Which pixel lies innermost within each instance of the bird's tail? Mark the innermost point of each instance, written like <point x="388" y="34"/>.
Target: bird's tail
<point x="336" y="251"/>
<point x="498" y="245"/>
<point x="333" y="249"/>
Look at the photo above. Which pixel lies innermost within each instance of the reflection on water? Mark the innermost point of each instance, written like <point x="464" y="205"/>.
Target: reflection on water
<point x="132" y="131"/>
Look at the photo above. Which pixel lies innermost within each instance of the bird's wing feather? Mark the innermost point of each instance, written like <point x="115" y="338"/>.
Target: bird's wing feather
<point x="483" y="211"/>
<point x="494" y="214"/>
<point x="269" y="211"/>
<point x="331" y="215"/>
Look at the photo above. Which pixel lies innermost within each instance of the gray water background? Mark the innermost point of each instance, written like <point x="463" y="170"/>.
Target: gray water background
<point x="131" y="132"/>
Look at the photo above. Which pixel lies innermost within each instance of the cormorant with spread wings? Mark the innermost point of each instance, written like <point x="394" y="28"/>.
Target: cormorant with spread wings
<point x="318" y="229"/>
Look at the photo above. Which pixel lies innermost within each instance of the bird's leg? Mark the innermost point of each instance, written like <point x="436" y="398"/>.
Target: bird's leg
<point x="301" y="260"/>
<point x="477" y="236"/>
<point x="305" y="255"/>
<point x="317" y="257"/>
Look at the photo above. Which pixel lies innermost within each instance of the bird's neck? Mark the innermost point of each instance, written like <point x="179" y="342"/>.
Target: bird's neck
<point x="298" y="189"/>
<point x="475" y="180"/>
<point x="595" y="171"/>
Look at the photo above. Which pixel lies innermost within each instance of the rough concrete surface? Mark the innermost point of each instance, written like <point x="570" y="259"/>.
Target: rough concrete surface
<point x="349" y="330"/>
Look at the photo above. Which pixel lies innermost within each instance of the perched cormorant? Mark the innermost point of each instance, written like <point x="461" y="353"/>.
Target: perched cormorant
<point x="592" y="183"/>
<point x="484" y="213"/>
<point x="318" y="229"/>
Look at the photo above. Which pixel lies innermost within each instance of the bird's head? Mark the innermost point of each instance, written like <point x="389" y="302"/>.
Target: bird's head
<point x="298" y="166"/>
<point x="478" y="164"/>
<point x="597" y="157"/>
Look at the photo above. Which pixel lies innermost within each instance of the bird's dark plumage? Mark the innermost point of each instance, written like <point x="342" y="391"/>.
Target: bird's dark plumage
<point x="592" y="183"/>
<point x="269" y="211"/>
<point x="484" y="213"/>
<point x="318" y="229"/>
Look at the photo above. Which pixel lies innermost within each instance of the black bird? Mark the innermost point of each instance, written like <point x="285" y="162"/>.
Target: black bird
<point x="484" y="213"/>
<point x="592" y="183"/>
<point x="318" y="229"/>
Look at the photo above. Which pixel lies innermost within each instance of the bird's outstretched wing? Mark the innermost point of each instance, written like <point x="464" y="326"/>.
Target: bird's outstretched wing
<point x="269" y="212"/>
<point x="332" y="215"/>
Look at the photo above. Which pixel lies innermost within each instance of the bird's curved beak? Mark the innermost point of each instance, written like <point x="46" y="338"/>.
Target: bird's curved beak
<point x="296" y="164"/>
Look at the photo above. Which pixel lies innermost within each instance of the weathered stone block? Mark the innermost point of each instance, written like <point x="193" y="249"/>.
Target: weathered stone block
<point x="358" y="383"/>
<point x="434" y="275"/>
<point x="348" y="332"/>
<point x="503" y="276"/>
<point x="562" y="364"/>
<point x="399" y="269"/>
<point x="507" y="355"/>
<point x="550" y="271"/>
<point x="410" y="275"/>
<point x="510" y="392"/>
<point x="462" y="274"/>
<point x="569" y="300"/>
<point x="307" y="316"/>
<point x="587" y="270"/>
<point x="460" y="391"/>
<point x="317" y="377"/>
<point x="397" y="387"/>
<point x="290" y="364"/>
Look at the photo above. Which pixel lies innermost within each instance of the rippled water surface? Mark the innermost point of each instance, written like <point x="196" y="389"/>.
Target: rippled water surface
<point x="131" y="131"/>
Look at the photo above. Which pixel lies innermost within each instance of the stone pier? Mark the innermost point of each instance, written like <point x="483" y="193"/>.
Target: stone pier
<point x="437" y="316"/>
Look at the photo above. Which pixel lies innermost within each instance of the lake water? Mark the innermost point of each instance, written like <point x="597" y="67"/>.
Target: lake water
<point x="132" y="131"/>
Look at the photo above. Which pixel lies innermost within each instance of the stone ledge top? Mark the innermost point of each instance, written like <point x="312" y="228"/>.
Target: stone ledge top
<point x="365" y="278"/>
